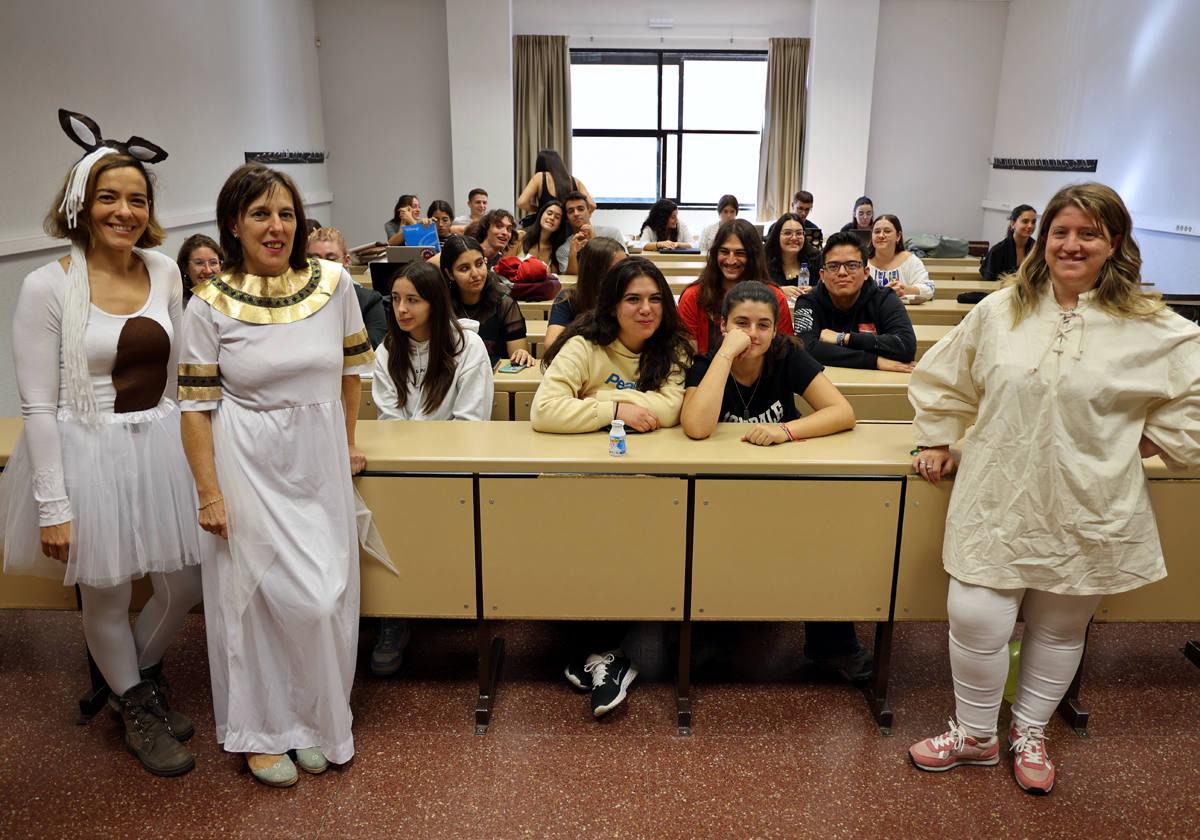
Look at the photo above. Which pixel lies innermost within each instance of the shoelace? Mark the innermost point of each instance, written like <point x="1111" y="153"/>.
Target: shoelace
<point x="599" y="669"/>
<point x="1031" y="745"/>
<point x="955" y="738"/>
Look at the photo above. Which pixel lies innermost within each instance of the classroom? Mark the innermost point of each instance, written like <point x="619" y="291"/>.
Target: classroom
<point x="750" y="411"/>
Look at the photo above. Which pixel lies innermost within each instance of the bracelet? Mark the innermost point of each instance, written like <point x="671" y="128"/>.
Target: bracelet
<point x="210" y="504"/>
<point x="788" y="432"/>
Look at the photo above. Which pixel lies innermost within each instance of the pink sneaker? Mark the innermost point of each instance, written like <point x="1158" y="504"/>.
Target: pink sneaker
<point x="1032" y="768"/>
<point x="950" y="749"/>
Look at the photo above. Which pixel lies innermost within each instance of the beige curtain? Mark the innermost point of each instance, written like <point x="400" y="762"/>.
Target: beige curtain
<point x="783" y="126"/>
<point x="541" y="101"/>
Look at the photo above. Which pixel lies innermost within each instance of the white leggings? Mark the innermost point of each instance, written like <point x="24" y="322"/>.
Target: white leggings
<point x="981" y="624"/>
<point x="118" y="651"/>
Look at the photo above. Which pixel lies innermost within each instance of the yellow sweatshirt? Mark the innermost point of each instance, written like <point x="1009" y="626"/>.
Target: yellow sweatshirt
<point x="585" y="380"/>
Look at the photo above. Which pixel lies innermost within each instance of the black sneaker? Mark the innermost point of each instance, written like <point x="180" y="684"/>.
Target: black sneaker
<point x="612" y="674"/>
<point x="856" y="668"/>
<point x="578" y="676"/>
<point x="394" y="634"/>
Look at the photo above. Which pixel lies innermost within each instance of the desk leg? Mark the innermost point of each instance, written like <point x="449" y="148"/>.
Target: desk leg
<point x="1071" y="708"/>
<point x="683" y="681"/>
<point x="876" y="688"/>
<point x="95" y="698"/>
<point x="491" y="654"/>
<point x="1192" y="651"/>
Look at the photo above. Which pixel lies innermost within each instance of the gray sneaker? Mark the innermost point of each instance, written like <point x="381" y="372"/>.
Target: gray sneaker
<point x="394" y="634"/>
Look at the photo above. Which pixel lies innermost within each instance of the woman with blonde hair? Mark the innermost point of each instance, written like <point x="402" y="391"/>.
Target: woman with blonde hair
<point x="1070" y="376"/>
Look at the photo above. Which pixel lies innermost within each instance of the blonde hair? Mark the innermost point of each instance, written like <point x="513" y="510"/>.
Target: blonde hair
<point x="329" y="234"/>
<point x="1118" y="285"/>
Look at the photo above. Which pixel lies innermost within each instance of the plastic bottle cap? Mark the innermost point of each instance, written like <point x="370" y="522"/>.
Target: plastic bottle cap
<point x="620" y="423"/>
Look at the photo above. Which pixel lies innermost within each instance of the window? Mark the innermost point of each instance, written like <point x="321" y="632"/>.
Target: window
<point x="658" y="124"/>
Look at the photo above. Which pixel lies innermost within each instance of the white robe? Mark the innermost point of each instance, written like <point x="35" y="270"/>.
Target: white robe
<point x="1051" y="493"/>
<point x="282" y="596"/>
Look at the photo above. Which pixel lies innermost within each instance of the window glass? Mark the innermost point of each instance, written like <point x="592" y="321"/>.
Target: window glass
<point x="715" y="164"/>
<point x="613" y="96"/>
<point x="617" y="169"/>
<point x="724" y="95"/>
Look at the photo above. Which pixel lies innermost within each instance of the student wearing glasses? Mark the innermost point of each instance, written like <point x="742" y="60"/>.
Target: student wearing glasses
<point x="199" y="260"/>
<point x="846" y="321"/>
<point x="736" y="255"/>
<point x="792" y="261"/>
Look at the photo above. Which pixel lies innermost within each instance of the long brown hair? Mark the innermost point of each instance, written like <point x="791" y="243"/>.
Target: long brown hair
<point x="241" y="188"/>
<point x="56" y="220"/>
<point x="711" y="279"/>
<point x="663" y="353"/>
<point x="595" y="258"/>
<point x="446" y="340"/>
<point x="1118" y="285"/>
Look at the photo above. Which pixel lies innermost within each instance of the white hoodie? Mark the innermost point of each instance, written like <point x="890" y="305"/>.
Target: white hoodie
<point x="470" y="393"/>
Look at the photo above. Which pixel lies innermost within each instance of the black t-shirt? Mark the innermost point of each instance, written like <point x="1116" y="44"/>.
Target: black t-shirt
<point x="772" y="398"/>
<point x="562" y="311"/>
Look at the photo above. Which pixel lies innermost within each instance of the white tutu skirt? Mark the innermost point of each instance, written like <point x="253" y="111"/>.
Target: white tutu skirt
<point x="132" y="498"/>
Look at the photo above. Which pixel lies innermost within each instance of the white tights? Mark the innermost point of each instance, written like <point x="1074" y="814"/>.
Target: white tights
<point x="981" y="624"/>
<point x="119" y="651"/>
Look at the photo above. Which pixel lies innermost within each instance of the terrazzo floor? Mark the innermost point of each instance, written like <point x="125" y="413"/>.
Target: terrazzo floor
<point x="776" y="751"/>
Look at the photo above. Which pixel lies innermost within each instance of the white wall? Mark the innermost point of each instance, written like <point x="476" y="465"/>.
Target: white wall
<point x="837" y="125"/>
<point x="206" y="84"/>
<point x="479" y="49"/>
<point x="937" y="74"/>
<point x="1115" y="81"/>
<point x="386" y="102"/>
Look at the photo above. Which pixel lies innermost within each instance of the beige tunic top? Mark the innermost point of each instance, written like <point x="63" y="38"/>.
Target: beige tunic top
<point x="1051" y="493"/>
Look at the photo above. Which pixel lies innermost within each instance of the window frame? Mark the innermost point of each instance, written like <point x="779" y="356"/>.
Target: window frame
<point x="663" y="135"/>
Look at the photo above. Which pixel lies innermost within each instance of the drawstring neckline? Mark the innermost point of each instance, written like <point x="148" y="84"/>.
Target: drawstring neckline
<point x="1064" y="326"/>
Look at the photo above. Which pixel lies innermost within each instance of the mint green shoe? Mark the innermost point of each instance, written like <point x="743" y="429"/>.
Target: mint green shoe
<point x="312" y="760"/>
<point x="280" y="774"/>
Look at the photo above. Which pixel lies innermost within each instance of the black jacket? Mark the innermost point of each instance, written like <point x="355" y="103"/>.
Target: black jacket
<point x="374" y="314"/>
<point x="1002" y="258"/>
<point x="877" y="322"/>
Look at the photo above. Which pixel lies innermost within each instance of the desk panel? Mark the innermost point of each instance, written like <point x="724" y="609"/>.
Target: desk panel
<point x="744" y="571"/>
<point x="606" y="547"/>
<point x="29" y="592"/>
<point x="428" y="525"/>
<point x="922" y="582"/>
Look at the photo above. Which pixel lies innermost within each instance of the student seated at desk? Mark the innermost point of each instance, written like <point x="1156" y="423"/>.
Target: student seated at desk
<point x="848" y="322"/>
<point x="579" y="217"/>
<point x="496" y="231"/>
<point x="662" y="230"/>
<point x="624" y="360"/>
<point x="431" y="366"/>
<point x="802" y="205"/>
<point x="1004" y="257"/>
<point x="892" y="265"/>
<point x="547" y="234"/>
<point x="406" y="212"/>
<point x="595" y="260"/>
<point x="752" y="377"/>
<point x="478" y="294"/>
<point x="327" y="243"/>
<point x="727" y="210"/>
<point x="442" y="215"/>
<point x="736" y="255"/>
<point x="477" y="204"/>
<point x="863" y="216"/>
<point x="793" y="262"/>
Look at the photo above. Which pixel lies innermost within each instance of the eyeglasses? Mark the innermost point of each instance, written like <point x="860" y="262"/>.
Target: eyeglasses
<point x="728" y="254"/>
<point x="213" y="264"/>
<point x="791" y="234"/>
<point x="836" y="267"/>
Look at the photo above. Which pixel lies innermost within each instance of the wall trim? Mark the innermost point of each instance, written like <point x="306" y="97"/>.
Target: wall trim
<point x="1158" y="224"/>
<point x="32" y="244"/>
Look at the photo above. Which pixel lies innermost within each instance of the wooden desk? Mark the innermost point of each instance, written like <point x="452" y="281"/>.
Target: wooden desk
<point x="535" y="334"/>
<point x="938" y="273"/>
<point x="927" y="336"/>
<point x="535" y="310"/>
<point x="938" y="312"/>
<point x="957" y="262"/>
<point x="949" y="289"/>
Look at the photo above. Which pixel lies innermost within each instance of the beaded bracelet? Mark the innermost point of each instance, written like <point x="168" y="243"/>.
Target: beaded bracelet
<point x="210" y="504"/>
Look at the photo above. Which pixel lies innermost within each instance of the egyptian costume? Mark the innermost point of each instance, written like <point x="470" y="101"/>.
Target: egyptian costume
<point x="266" y="355"/>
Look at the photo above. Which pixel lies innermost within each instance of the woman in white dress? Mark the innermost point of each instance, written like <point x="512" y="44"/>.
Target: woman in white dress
<point x="97" y="491"/>
<point x="1070" y="377"/>
<point x="269" y="385"/>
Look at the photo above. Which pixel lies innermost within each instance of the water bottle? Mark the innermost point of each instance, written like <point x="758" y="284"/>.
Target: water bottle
<point x="616" y="438"/>
<point x="802" y="280"/>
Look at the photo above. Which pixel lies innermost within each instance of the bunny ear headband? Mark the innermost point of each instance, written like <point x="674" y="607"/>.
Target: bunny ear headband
<point x="84" y="131"/>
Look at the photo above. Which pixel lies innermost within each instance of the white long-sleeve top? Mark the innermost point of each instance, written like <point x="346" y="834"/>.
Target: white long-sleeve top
<point x="1051" y="493"/>
<point x="129" y="356"/>
<point x="470" y="393"/>
<point x="911" y="272"/>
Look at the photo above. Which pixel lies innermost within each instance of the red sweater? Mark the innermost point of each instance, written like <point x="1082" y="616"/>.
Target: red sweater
<point x="695" y="320"/>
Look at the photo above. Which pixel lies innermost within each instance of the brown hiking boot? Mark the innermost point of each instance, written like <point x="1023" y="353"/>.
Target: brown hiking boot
<point x="148" y="735"/>
<point x="180" y="723"/>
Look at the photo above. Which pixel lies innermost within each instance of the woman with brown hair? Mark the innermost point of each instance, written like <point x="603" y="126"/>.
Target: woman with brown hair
<point x="199" y="260"/>
<point x="1070" y="376"/>
<point x="97" y="491"/>
<point x="595" y="259"/>
<point x="269" y="384"/>
<point x="736" y="255"/>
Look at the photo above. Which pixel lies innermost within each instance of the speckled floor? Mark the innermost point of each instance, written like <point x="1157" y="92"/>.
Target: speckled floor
<point x="774" y="753"/>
